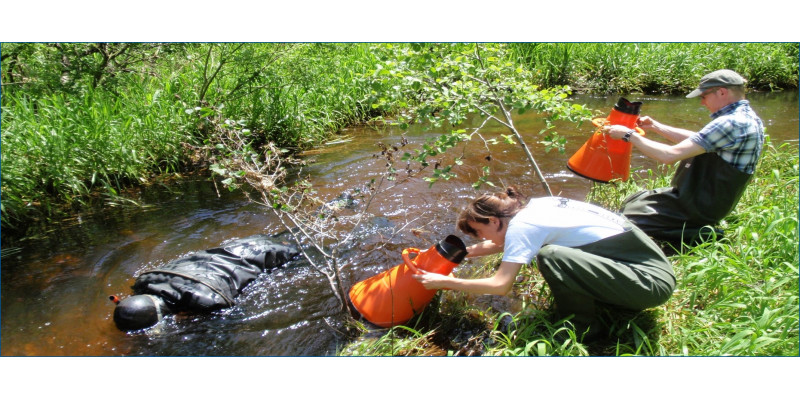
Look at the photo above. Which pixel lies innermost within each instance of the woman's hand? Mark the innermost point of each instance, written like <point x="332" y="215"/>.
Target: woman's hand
<point x="431" y="280"/>
<point x="499" y="283"/>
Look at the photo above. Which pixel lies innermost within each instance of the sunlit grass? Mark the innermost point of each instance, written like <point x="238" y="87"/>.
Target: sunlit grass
<point x="398" y="341"/>
<point x="56" y="149"/>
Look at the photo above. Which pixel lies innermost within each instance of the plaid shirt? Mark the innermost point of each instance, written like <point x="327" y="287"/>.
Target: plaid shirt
<point x="736" y="134"/>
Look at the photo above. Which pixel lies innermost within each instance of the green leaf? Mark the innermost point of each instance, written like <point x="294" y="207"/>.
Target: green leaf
<point x="217" y="169"/>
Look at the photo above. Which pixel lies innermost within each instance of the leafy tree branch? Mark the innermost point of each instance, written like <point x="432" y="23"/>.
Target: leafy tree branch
<point x="445" y="83"/>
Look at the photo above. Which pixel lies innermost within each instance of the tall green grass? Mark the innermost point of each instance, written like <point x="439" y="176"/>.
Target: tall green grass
<point x="57" y="148"/>
<point x="739" y="295"/>
<point x="658" y="67"/>
<point x="736" y="295"/>
<point x="64" y="140"/>
<point x="297" y="95"/>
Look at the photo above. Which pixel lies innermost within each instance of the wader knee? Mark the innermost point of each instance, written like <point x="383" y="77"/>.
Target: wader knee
<point x="567" y="301"/>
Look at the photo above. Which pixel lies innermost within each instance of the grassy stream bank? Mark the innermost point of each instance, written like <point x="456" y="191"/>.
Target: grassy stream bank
<point x="737" y="295"/>
<point x="83" y="122"/>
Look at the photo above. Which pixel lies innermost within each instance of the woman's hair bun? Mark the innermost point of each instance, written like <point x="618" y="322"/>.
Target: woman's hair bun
<point x="512" y="192"/>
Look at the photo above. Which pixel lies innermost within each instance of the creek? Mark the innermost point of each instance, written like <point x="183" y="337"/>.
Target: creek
<point x="55" y="287"/>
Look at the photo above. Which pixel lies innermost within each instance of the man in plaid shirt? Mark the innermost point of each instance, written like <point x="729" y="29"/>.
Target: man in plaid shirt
<point x="716" y="163"/>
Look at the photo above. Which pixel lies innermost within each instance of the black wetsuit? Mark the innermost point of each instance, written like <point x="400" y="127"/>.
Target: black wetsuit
<point x="210" y="279"/>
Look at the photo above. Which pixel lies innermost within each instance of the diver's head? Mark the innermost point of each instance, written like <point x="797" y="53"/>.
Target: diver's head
<point x="138" y="312"/>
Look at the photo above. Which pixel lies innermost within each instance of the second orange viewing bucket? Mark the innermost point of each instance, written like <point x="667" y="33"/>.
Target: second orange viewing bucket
<point x="393" y="297"/>
<point x="602" y="158"/>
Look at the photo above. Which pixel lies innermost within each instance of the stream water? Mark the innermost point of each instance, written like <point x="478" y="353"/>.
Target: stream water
<point x="55" y="287"/>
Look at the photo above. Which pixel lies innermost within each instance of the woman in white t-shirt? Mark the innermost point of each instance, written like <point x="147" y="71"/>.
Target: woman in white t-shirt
<point x="586" y="254"/>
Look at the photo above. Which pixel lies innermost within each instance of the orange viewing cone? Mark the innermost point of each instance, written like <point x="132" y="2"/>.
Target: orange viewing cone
<point x="602" y="158"/>
<point x="393" y="297"/>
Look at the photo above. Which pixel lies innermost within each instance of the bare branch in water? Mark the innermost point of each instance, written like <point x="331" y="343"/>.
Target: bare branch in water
<point x="319" y="229"/>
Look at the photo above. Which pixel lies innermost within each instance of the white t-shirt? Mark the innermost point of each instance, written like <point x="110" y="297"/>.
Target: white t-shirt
<point x="560" y="221"/>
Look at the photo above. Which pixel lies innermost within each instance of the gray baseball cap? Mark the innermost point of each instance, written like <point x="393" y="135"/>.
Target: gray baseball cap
<point x="722" y="77"/>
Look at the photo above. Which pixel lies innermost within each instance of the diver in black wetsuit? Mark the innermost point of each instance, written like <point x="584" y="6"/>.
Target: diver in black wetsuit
<point x="204" y="281"/>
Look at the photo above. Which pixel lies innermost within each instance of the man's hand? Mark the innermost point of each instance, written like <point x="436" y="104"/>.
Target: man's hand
<point x="646" y="122"/>
<point x="615" y="131"/>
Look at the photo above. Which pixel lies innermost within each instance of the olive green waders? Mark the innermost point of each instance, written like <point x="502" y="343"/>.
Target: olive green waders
<point x="627" y="270"/>
<point x="704" y="190"/>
